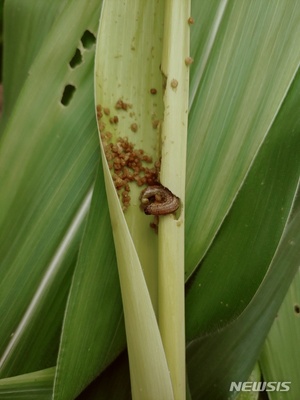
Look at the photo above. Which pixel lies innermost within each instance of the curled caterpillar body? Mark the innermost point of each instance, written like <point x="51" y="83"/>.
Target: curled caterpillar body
<point x="158" y="200"/>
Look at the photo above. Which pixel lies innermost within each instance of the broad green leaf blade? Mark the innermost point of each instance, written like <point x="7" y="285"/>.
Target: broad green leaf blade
<point x="34" y="386"/>
<point x="47" y="166"/>
<point x="27" y="23"/>
<point x="207" y="18"/>
<point x="149" y="372"/>
<point x="232" y="352"/>
<point x="280" y="360"/>
<point x="239" y="258"/>
<point x="93" y="330"/>
<point x="250" y="64"/>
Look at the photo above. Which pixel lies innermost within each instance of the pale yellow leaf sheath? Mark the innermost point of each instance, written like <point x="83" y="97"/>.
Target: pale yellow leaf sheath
<point x="129" y="93"/>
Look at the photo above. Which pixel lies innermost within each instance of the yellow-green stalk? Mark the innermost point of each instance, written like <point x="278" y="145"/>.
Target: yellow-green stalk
<point x="175" y="66"/>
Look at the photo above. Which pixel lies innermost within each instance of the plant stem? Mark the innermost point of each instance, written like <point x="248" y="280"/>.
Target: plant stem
<point x="172" y="175"/>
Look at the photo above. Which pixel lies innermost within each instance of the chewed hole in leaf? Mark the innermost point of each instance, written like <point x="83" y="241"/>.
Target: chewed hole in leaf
<point x="68" y="94"/>
<point x="76" y="59"/>
<point x="297" y="309"/>
<point x="88" y="39"/>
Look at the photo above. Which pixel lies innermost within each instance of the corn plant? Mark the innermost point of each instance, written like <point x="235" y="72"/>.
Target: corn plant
<point x="149" y="223"/>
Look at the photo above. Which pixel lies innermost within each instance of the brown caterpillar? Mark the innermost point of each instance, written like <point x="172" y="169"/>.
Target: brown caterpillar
<point x="158" y="200"/>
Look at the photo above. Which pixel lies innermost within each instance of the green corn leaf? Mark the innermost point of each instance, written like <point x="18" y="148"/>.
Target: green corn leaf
<point x="251" y="59"/>
<point x="44" y="199"/>
<point x="26" y="27"/>
<point x="232" y="352"/>
<point x="239" y="258"/>
<point x="33" y="386"/>
<point x="242" y="176"/>
<point x="93" y="331"/>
